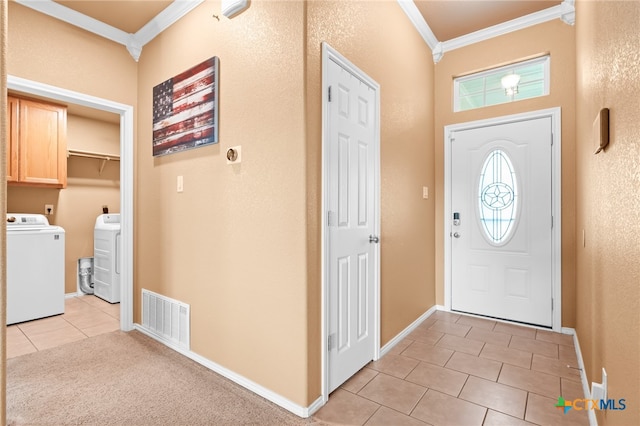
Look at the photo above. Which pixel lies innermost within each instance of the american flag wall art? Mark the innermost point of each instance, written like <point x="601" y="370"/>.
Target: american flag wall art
<point x="185" y="109"/>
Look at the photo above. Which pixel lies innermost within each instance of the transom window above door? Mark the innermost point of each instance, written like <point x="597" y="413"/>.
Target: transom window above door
<point x="522" y="80"/>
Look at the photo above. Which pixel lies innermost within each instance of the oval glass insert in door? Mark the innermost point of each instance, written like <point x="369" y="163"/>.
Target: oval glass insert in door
<point x="498" y="197"/>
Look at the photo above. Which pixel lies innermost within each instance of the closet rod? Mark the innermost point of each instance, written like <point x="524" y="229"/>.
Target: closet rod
<point x="90" y="154"/>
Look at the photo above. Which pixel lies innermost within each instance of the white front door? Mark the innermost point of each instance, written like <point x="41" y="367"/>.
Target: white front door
<point x="501" y="221"/>
<point x="352" y="266"/>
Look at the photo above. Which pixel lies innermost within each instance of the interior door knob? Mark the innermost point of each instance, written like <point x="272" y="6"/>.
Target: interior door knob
<point x="374" y="239"/>
<point x="456" y="235"/>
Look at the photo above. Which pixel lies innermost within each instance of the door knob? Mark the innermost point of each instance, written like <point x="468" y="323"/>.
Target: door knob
<point x="374" y="239"/>
<point x="456" y="235"/>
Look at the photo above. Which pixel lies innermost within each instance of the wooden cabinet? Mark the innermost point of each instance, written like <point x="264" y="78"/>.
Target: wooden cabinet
<point x="37" y="145"/>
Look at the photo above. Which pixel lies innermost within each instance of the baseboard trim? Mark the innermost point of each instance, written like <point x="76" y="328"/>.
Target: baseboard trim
<point x="260" y="390"/>
<point x="70" y="295"/>
<point x="593" y="421"/>
<point x="404" y="333"/>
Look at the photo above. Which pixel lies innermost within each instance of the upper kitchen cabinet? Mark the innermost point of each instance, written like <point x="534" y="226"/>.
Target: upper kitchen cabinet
<point x="37" y="148"/>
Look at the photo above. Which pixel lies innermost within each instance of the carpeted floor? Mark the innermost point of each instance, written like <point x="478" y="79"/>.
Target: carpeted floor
<point x="128" y="379"/>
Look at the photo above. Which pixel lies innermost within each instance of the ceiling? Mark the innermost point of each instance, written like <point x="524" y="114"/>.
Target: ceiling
<point x="447" y="19"/>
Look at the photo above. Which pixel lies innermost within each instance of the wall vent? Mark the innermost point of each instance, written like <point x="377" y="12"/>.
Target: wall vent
<point x="167" y="318"/>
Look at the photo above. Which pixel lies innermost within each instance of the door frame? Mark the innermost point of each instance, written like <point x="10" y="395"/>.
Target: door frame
<point x="330" y="54"/>
<point x="126" y="174"/>
<point x="556" y="200"/>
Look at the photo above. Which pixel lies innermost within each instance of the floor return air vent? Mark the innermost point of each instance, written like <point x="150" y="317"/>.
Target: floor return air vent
<point x="166" y="318"/>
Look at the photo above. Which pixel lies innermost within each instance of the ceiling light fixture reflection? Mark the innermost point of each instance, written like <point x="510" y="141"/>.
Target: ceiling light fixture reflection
<point x="510" y="84"/>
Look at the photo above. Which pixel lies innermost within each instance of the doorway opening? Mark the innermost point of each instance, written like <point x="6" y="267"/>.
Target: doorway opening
<point x="126" y="173"/>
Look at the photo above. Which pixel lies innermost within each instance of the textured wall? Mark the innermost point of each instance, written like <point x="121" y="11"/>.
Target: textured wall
<point x="608" y="201"/>
<point x="232" y="245"/>
<point x="50" y="51"/>
<point x="557" y="39"/>
<point x="378" y="38"/>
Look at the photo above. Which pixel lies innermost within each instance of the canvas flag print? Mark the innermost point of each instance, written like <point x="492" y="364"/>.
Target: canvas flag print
<point x="185" y="109"/>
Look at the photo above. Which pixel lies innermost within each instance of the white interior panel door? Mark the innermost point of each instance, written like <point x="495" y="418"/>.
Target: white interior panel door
<point x="352" y="263"/>
<point x="501" y="232"/>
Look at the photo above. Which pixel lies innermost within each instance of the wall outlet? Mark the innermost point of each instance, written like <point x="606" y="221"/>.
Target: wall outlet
<point x="48" y="209"/>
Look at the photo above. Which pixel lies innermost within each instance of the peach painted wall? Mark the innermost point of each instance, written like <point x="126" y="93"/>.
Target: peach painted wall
<point x="558" y="39"/>
<point x="379" y="39"/>
<point x="608" y="201"/>
<point x="232" y="245"/>
<point x="50" y="51"/>
<point x="241" y="243"/>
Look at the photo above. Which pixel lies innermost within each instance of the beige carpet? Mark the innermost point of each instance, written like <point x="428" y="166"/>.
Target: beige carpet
<point x="128" y="379"/>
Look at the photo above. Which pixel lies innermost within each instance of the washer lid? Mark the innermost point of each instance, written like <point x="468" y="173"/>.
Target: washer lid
<point x="19" y="220"/>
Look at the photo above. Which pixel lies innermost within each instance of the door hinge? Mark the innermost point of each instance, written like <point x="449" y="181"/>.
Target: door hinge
<point x="551" y="139"/>
<point x="551" y="222"/>
<point x="329" y="94"/>
<point x="552" y="305"/>
<point x="331" y="342"/>
<point x="329" y="218"/>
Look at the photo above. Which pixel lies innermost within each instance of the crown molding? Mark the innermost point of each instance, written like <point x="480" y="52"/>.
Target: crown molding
<point x="416" y="18"/>
<point x="565" y="11"/>
<point x="70" y="16"/>
<point x="133" y="42"/>
<point x="535" y="18"/>
<point x="163" y="20"/>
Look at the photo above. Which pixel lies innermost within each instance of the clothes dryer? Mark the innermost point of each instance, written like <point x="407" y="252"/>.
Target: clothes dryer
<point x="106" y="257"/>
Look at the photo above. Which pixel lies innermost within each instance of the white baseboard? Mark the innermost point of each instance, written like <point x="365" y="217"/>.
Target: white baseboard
<point x="404" y="333"/>
<point x="593" y="421"/>
<point x="70" y="295"/>
<point x="267" y="394"/>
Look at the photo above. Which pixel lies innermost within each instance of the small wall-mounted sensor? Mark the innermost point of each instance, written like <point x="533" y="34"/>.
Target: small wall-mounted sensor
<point x="234" y="155"/>
<point x="601" y="130"/>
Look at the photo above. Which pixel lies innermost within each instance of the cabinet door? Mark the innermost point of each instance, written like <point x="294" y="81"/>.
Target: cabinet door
<point x="43" y="145"/>
<point x="12" y="139"/>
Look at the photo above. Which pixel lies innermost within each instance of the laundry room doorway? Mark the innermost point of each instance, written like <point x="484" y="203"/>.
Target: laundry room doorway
<point x="64" y="96"/>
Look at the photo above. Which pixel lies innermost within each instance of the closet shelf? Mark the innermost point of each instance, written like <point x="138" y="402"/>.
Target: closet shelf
<point x="97" y="155"/>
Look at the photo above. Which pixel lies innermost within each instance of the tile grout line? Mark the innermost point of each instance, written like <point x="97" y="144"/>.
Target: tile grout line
<point x="26" y="337"/>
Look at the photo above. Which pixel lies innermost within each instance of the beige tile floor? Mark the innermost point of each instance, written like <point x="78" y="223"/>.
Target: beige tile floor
<point x="84" y="316"/>
<point x="463" y="370"/>
<point x="452" y="370"/>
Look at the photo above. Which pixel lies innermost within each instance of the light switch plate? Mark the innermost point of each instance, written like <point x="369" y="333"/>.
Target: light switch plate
<point x="179" y="184"/>
<point x="425" y="192"/>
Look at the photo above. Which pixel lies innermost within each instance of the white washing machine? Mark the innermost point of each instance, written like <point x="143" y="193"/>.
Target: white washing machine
<point x="106" y="257"/>
<point x="35" y="268"/>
